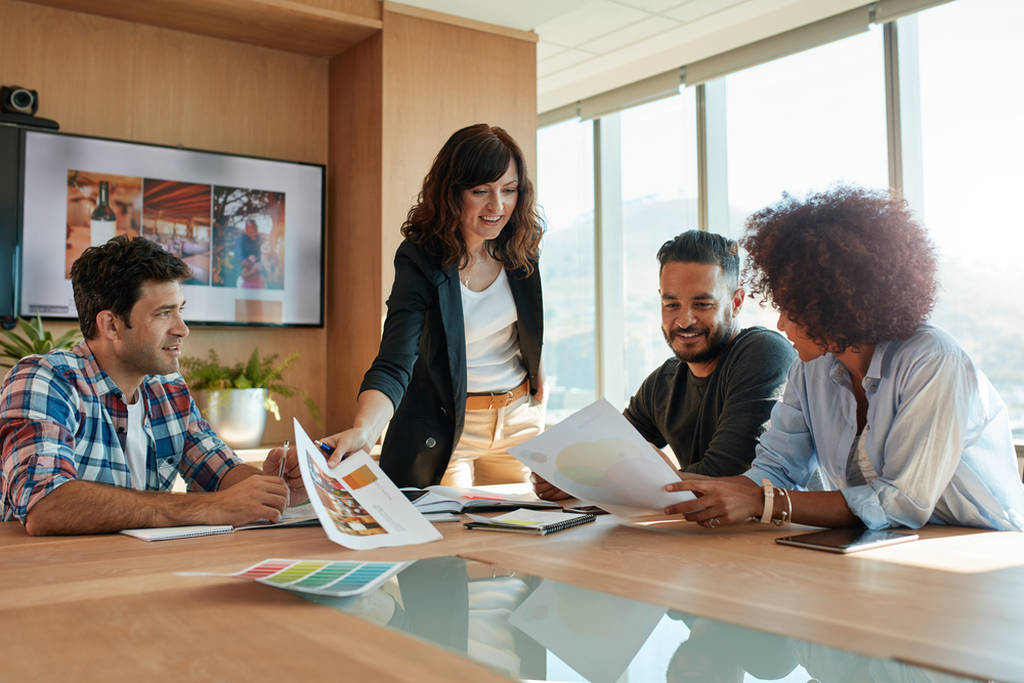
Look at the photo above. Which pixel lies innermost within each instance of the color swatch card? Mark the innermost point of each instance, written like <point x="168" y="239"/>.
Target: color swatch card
<point x="358" y="505"/>
<point x="320" y="577"/>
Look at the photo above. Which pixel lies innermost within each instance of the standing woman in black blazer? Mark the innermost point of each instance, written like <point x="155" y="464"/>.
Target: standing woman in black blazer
<point x="458" y="371"/>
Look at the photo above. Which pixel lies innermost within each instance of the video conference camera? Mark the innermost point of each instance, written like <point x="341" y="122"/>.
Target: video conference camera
<point x="19" y="105"/>
<point x="17" y="100"/>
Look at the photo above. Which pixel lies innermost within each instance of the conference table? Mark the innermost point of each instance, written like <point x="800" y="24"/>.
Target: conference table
<point x="487" y="606"/>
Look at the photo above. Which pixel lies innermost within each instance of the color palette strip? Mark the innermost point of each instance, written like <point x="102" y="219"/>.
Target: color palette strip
<point x="323" y="577"/>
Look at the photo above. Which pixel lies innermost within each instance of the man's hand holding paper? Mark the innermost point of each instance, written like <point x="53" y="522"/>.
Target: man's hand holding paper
<point x="597" y="456"/>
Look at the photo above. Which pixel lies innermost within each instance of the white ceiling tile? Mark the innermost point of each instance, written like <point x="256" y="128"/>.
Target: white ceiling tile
<point x="546" y="50"/>
<point x="696" y="9"/>
<point x="586" y="23"/>
<point x="563" y="60"/>
<point x="523" y="15"/>
<point x="634" y="33"/>
<point x="652" y="5"/>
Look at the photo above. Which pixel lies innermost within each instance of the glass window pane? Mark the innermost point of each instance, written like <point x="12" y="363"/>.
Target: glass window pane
<point x="565" y="189"/>
<point x="802" y="123"/>
<point x="659" y="201"/>
<point x="973" y="142"/>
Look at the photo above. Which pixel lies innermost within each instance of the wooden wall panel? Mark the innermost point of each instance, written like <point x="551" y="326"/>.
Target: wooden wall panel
<point x="437" y="79"/>
<point x="230" y="97"/>
<point x="395" y="99"/>
<point x="361" y="8"/>
<point x="354" y="263"/>
<point x="81" y="65"/>
<point x="112" y="78"/>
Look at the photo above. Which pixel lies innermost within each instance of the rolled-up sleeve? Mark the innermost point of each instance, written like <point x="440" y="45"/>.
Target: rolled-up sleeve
<point x="923" y="444"/>
<point x="206" y="458"/>
<point x="38" y="420"/>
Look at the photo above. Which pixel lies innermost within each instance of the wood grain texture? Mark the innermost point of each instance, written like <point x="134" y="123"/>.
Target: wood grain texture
<point x="298" y="27"/>
<point x="437" y="79"/>
<point x="966" y="621"/>
<point x="353" y="242"/>
<point x="104" y="77"/>
<point x="226" y="631"/>
<point x="376" y="114"/>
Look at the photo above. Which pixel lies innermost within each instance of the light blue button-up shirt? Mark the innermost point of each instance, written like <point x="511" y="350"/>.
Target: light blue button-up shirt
<point x="937" y="434"/>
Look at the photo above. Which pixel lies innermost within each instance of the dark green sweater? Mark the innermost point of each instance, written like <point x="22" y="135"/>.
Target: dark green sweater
<point x="712" y="423"/>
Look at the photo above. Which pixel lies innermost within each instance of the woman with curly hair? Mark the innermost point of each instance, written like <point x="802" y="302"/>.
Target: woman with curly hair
<point x="902" y="425"/>
<point x="458" y="371"/>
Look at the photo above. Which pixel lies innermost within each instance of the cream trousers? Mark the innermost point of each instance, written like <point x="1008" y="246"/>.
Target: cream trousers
<point x="481" y="456"/>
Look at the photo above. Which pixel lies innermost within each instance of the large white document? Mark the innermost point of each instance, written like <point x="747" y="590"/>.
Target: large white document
<point x="358" y="505"/>
<point x="596" y="455"/>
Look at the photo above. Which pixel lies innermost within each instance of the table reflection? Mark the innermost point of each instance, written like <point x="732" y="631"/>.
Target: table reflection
<point x="538" y="629"/>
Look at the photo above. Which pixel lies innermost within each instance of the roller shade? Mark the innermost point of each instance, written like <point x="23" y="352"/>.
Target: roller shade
<point x="780" y="45"/>
<point x="649" y="89"/>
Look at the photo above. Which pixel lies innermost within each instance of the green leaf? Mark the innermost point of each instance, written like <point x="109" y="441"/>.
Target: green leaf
<point x="267" y="372"/>
<point x="30" y="337"/>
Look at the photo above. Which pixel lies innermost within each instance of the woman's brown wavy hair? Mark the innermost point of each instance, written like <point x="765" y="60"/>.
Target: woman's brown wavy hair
<point x="850" y="265"/>
<point x="472" y="156"/>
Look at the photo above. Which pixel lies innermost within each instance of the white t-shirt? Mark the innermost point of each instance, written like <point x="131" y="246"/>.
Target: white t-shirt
<point x="136" y="446"/>
<point x="493" y="360"/>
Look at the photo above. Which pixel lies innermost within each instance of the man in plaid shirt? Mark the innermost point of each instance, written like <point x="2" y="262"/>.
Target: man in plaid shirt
<point x="91" y="439"/>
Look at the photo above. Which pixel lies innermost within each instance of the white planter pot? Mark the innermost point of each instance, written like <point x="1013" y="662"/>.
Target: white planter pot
<point x="237" y="415"/>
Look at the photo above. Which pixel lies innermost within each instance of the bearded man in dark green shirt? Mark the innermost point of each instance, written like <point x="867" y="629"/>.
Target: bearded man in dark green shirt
<point x="712" y="400"/>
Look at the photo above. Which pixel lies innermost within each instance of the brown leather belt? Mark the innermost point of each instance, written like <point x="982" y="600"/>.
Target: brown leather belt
<point x="499" y="400"/>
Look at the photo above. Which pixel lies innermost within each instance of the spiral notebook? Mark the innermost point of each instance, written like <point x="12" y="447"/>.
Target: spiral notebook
<point x="169" y="533"/>
<point x="539" y="522"/>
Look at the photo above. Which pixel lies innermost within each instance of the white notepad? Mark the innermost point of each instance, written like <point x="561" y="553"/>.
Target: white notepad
<point x="168" y="533"/>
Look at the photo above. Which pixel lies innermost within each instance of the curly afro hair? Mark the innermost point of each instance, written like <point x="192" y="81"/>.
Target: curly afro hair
<point x="849" y="265"/>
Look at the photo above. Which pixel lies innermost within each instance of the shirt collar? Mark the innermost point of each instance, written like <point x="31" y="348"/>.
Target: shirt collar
<point x="840" y="375"/>
<point x="99" y="379"/>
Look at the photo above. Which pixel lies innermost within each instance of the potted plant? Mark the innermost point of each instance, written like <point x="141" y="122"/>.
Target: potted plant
<point x="235" y="399"/>
<point x="32" y="339"/>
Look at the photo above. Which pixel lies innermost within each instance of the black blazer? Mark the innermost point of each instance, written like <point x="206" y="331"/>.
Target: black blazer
<point x="421" y="364"/>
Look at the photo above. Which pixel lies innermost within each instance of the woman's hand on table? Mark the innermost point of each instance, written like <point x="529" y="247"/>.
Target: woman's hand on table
<point x="721" y="500"/>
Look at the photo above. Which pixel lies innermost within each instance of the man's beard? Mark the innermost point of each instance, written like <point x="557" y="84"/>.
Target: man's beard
<point x="716" y="342"/>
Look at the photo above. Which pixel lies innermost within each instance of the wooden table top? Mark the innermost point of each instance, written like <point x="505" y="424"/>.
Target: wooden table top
<point x="112" y="607"/>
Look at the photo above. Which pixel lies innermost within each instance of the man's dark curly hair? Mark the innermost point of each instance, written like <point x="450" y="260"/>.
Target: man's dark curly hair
<point x="110" y="277"/>
<point x="850" y="265"/>
<point x="472" y="156"/>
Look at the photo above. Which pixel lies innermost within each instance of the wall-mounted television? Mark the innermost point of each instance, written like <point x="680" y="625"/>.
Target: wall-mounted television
<point x="250" y="229"/>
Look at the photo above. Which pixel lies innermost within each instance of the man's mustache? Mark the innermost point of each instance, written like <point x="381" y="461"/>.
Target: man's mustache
<point x="678" y="332"/>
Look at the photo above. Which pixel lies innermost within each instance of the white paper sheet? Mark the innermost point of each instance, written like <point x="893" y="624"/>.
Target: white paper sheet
<point x="358" y="505"/>
<point x="568" y="621"/>
<point x="596" y="455"/>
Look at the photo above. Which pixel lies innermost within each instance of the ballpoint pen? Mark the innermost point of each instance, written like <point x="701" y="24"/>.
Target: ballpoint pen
<point x="323" y="447"/>
<point x="280" y="468"/>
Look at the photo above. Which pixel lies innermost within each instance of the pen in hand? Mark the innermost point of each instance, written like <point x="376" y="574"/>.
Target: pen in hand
<point x="280" y="471"/>
<point x="284" y="458"/>
<point x="323" y="447"/>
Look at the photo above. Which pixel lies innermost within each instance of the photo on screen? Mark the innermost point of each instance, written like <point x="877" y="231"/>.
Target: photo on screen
<point x="223" y="214"/>
<point x="177" y="217"/>
<point x="248" y="238"/>
<point x="100" y="205"/>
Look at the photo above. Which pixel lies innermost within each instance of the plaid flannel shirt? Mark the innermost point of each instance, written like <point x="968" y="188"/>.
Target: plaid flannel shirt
<point x="62" y="418"/>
